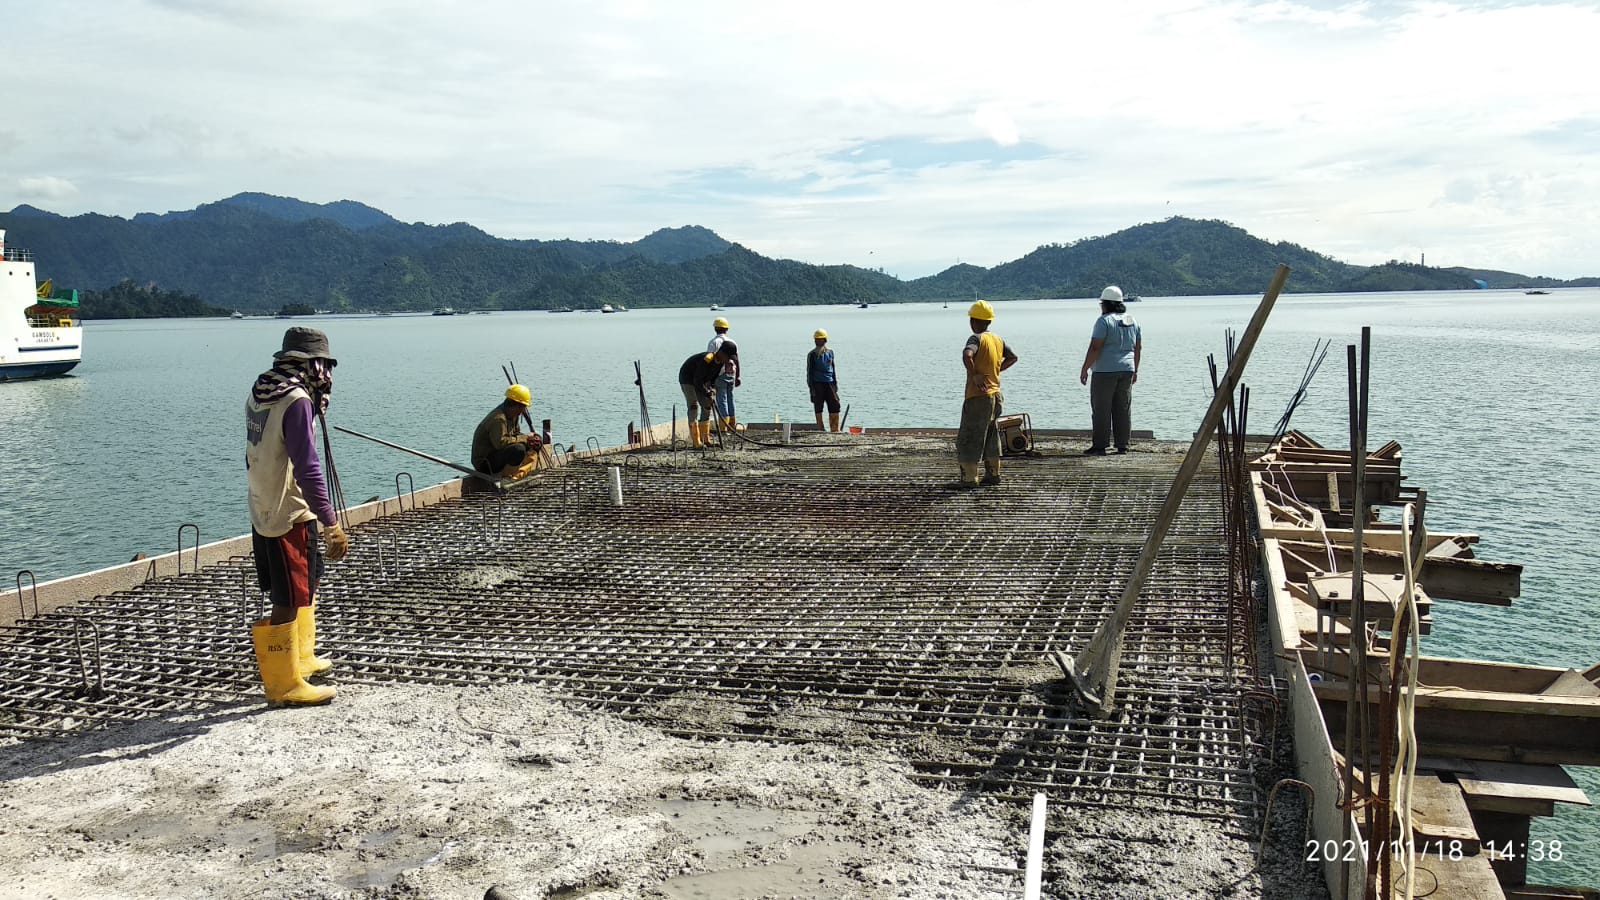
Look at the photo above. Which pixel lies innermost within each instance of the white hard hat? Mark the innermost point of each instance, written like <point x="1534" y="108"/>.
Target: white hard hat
<point x="1112" y="294"/>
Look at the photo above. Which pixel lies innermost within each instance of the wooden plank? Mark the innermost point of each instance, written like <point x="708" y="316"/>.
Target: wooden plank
<point x="1452" y="546"/>
<point x="1571" y="683"/>
<point x="1445" y="577"/>
<point x="1466" y="878"/>
<point x="1550" y="892"/>
<point x="1593" y="673"/>
<point x="1439" y="816"/>
<point x="1517" y="780"/>
<point x="1382" y="538"/>
<point x="1450" y="764"/>
<point x="1479" y="725"/>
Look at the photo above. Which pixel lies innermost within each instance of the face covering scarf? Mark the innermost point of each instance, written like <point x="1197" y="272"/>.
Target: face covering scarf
<point x="315" y="376"/>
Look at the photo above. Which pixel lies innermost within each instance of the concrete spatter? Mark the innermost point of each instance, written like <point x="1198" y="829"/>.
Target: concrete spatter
<point x="404" y="790"/>
<point x="422" y="791"/>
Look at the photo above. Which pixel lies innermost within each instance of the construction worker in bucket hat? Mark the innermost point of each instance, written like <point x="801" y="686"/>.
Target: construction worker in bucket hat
<point x="985" y="356"/>
<point x="289" y="505"/>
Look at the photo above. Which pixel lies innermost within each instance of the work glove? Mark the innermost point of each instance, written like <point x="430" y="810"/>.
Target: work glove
<point x="534" y="441"/>
<point x="337" y="541"/>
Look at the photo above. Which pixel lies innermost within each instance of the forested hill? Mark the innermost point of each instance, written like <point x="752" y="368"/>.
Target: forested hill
<point x="258" y="253"/>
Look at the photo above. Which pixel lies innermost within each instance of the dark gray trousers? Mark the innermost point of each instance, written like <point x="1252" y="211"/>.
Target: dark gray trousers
<point x="1111" y="403"/>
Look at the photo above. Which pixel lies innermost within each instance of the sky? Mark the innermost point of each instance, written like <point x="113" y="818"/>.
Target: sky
<point x="902" y="136"/>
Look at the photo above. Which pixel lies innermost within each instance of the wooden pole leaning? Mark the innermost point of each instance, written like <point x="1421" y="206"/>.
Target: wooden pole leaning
<point x="1093" y="673"/>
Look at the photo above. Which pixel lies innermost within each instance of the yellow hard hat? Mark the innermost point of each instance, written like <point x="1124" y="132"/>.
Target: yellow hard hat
<point x="820" y="335"/>
<point x="519" y="394"/>
<point x="981" y="310"/>
<point x="720" y="322"/>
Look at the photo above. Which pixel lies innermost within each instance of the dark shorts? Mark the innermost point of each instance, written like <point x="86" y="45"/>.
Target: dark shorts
<point x="824" y="392"/>
<point x="289" y="567"/>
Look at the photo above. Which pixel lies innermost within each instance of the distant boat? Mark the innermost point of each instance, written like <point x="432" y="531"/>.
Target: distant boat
<point x="1536" y="293"/>
<point x="715" y="307"/>
<point x="39" y="332"/>
<point x="236" y="315"/>
<point x="444" y="311"/>
<point x="1131" y="298"/>
<point x="861" y="305"/>
<point x="619" y="308"/>
<point x="559" y="309"/>
<point x="607" y="308"/>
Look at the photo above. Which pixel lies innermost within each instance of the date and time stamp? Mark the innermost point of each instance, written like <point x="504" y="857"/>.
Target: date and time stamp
<point x="1350" y="850"/>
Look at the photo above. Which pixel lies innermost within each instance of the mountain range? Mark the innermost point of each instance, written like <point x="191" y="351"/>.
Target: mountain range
<point x="258" y="253"/>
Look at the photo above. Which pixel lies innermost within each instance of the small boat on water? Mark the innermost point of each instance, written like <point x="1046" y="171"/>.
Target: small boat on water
<point x="559" y="309"/>
<point x="861" y="305"/>
<point x="40" y="333"/>
<point x="607" y="308"/>
<point x="236" y="315"/>
<point x="1536" y="293"/>
<point x="444" y="311"/>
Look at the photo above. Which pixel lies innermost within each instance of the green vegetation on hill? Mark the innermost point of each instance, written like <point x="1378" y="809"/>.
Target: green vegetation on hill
<point x="258" y="253"/>
<point x="126" y="300"/>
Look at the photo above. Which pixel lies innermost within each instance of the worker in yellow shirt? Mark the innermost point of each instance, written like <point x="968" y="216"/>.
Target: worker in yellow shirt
<point x="985" y="356"/>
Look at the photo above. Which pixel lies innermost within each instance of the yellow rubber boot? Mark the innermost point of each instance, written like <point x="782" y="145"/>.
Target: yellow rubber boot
<point x="522" y="470"/>
<point x="833" y="422"/>
<point x="694" y="433"/>
<point x="969" y="475"/>
<point x="820" y="426"/>
<point x="991" y="471"/>
<point x="305" y="623"/>
<point x="705" y="432"/>
<point x="277" y="654"/>
<point x="731" y="423"/>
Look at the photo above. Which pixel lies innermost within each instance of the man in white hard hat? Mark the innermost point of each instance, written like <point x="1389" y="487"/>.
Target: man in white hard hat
<point x="1113" y="359"/>
<point x="985" y="356"/>
<point x="498" y="444"/>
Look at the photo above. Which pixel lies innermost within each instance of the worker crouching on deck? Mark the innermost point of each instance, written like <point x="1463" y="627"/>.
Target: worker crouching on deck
<point x="289" y="498"/>
<point x="498" y="444"/>
<point x="697" y="377"/>
<point x="985" y="356"/>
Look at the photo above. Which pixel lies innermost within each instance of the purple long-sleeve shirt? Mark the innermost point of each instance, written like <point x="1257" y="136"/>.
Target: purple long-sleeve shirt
<point x="300" y="439"/>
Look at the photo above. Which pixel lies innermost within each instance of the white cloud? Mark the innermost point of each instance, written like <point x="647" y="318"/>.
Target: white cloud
<point x="1361" y="129"/>
<point x="46" y="188"/>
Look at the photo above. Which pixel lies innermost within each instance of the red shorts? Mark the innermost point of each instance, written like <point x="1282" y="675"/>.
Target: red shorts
<point x="288" y="567"/>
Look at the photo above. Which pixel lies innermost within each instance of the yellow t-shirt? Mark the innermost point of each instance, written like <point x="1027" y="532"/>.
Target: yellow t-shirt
<point x="988" y="353"/>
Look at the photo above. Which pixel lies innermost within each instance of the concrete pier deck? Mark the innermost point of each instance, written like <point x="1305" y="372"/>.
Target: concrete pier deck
<point x="834" y="592"/>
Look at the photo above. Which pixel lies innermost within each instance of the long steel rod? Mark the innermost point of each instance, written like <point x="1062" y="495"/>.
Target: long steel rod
<point x="443" y="462"/>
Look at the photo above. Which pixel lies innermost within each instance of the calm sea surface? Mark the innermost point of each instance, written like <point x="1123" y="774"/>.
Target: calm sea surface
<point x="1491" y="393"/>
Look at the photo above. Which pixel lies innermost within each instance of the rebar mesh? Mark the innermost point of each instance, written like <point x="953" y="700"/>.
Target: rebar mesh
<point x="829" y="595"/>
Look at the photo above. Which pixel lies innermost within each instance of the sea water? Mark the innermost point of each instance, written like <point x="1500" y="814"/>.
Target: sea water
<point x="1490" y="393"/>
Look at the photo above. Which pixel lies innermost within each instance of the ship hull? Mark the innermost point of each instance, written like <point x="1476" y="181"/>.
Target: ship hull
<point x="26" y="370"/>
